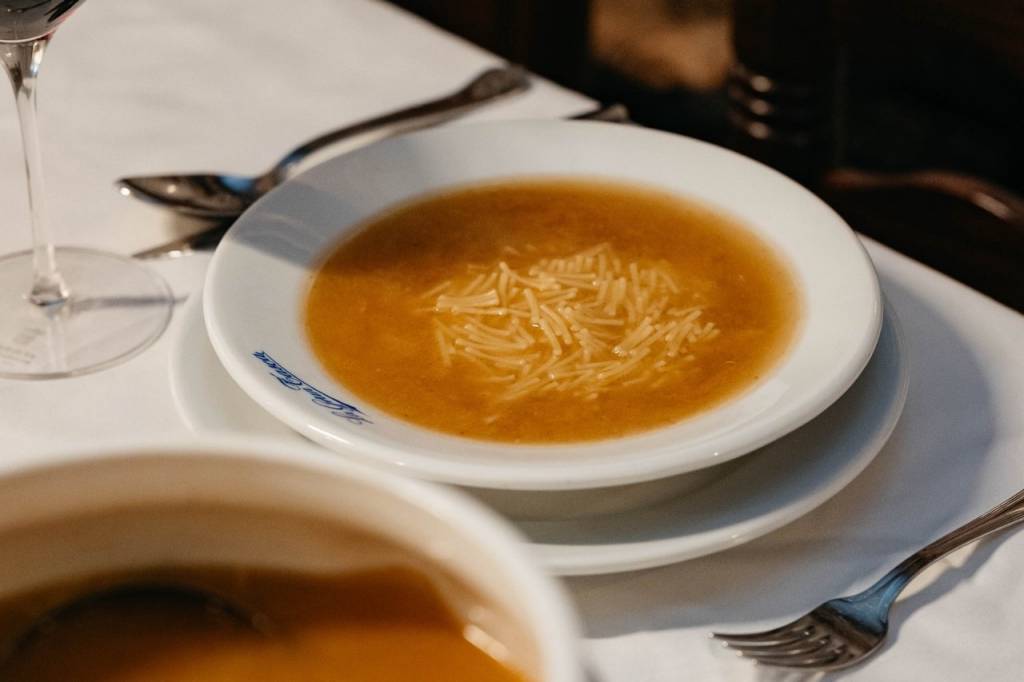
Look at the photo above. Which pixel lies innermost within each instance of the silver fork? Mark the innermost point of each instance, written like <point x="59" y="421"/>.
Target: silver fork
<point x="844" y="631"/>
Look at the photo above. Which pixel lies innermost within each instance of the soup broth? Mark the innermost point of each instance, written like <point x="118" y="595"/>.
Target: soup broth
<point x="380" y="625"/>
<point x="550" y="310"/>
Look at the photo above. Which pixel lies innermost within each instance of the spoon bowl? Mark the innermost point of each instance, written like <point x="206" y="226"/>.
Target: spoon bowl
<point x="222" y="195"/>
<point x="199" y="195"/>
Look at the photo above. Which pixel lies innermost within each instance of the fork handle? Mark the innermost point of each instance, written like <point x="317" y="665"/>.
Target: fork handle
<point x="1004" y="515"/>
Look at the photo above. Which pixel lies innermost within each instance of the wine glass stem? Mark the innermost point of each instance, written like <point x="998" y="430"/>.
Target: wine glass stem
<point x="22" y="62"/>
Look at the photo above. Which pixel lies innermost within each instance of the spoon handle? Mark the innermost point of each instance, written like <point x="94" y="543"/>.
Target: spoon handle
<point x="486" y="87"/>
<point x="207" y="239"/>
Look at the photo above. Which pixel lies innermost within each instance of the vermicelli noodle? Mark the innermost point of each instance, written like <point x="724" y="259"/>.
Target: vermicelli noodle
<point x="582" y="324"/>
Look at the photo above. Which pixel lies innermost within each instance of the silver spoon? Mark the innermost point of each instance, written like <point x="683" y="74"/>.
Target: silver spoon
<point x="208" y="238"/>
<point x="220" y="195"/>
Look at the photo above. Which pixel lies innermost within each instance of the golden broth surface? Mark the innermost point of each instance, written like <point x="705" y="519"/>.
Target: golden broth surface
<point x="370" y="313"/>
<point x="380" y="625"/>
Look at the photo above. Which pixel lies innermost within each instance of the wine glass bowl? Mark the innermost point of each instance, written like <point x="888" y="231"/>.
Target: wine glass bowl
<point x="63" y="311"/>
<point x="28" y="20"/>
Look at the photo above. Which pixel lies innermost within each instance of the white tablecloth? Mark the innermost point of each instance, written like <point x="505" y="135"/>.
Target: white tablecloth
<point x="151" y="86"/>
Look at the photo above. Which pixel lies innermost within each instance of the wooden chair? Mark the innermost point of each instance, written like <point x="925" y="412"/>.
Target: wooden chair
<point x="788" y="100"/>
<point x="786" y="95"/>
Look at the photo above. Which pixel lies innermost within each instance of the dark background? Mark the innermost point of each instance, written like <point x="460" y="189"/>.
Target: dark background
<point x="933" y="86"/>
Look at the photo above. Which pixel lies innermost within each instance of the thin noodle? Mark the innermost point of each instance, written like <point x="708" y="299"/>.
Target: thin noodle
<point x="582" y="324"/>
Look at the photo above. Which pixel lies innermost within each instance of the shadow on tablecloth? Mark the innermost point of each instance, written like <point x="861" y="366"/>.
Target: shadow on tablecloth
<point x="922" y="484"/>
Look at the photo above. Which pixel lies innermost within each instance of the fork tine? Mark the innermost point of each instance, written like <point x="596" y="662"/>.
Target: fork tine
<point x="828" y="659"/>
<point x="762" y="638"/>
<point x="797" y="628"/>
<point x="797" y="648"/>
<point x="777" y="643"/>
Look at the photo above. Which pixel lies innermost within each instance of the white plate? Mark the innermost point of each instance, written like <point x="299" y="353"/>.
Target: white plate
<point x="759" y="493"/>
<point x="260" y="274"/>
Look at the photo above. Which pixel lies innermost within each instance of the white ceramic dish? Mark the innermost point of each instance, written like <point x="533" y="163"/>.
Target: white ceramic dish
<point x="753" y="496"/>
<point x="255" y="503"/>
<point x="260" y="273"/>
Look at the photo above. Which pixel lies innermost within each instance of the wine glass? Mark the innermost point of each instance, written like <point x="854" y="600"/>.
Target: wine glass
<point x="98" y="308"/>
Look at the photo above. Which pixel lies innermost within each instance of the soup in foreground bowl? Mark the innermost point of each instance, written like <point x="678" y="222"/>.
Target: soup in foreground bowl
<point x="380" y="625"/>
<point x="550" y="311"/>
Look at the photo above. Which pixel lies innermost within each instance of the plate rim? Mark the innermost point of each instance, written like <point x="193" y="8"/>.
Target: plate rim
<point x="517" y="474"/>
<point x="673" y="550"/>
<point x="553" y="556"/>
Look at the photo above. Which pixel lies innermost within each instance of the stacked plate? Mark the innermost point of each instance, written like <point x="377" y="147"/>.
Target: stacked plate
<point x="740" y="469"/>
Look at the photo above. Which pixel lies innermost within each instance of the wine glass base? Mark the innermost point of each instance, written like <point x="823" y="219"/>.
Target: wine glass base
<point x="117" y="308"/>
